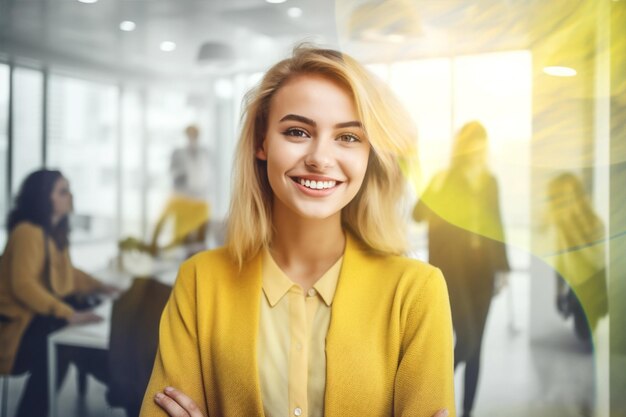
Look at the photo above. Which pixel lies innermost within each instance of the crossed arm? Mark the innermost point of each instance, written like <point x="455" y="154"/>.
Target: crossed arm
<point x="176" y="404"/>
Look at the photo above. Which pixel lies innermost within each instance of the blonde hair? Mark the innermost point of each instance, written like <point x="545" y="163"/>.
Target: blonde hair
<point x="375" y="214"/>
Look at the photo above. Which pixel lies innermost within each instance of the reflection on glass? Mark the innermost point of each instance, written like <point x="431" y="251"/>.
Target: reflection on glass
<point x="82" y="135"/>
<point x="578" y="241"/>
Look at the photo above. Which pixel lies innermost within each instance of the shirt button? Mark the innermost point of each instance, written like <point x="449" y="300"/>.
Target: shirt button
<point x="299" y="346"/>
<point x="297" y="411"/>
<point x="312" y="292"/>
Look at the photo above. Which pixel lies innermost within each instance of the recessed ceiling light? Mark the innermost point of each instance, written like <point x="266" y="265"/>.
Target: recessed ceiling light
<point x="88" y="1"/>
<point x="275" y="1"/>
<point x="294" y="12"/>
<point x="558" y="71"/>
<point x="127" y="26"/>
<point x="167" y="46"/>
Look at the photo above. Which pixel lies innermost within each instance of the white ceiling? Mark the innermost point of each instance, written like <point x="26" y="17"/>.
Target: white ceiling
<point x="68" y="33"/>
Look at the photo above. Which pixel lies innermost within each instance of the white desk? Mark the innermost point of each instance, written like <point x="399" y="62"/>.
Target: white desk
<point x="96" y="335"/>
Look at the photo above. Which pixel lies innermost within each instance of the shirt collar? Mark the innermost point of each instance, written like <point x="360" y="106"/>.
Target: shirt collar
<point x="327" y="284"/>
<point x="276" y="284"/>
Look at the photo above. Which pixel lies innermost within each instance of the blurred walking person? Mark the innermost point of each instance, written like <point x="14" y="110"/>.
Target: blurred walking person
<point x="466" y="241"/>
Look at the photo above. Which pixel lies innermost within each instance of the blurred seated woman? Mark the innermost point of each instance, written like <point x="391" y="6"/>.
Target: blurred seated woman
<point x="37" y="280"/>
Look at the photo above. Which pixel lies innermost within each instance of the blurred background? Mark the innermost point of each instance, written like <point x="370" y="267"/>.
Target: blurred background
<point x="104" y="89"/>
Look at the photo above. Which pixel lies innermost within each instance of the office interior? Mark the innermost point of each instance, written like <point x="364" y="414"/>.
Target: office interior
<point x="103" y="91"/>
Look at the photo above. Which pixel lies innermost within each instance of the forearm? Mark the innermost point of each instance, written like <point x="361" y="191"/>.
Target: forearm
<point x="85" y="283"/>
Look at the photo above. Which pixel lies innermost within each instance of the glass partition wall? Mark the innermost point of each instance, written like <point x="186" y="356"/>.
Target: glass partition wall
<point x="4" y="140"/>
<point x="82" y="133"/>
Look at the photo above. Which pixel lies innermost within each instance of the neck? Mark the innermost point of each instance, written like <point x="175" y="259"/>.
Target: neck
<point x="306" y="248"/>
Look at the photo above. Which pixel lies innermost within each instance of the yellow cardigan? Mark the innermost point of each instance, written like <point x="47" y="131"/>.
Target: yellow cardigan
<point x="389" y="346"/>
<point x="23" y="287"/>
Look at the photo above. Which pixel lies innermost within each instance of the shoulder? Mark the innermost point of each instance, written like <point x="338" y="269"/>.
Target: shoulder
<point x="411" y="273"/>
<point x="419" y="287"/>
<point x="214" y="263"/>
<point x="400" y="263"/>
<point x="408" y="284"/>
<point x="27" y="230"/>
<point x="396" y="272"/>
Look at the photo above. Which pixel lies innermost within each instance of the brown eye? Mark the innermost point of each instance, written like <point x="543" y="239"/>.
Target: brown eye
<point x="296" y="132"/>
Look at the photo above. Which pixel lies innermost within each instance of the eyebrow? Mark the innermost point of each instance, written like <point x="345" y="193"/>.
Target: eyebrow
<point x="310" y="122"/>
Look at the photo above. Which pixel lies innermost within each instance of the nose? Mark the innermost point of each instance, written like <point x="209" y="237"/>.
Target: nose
<point x="320" y="155"/>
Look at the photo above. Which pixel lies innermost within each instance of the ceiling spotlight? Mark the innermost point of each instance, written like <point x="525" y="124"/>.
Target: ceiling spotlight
<point x="557" y="71"/>
<point x="294" y="12"/>
<point x="88" y="1"/>
<point x="127" y="26"/>
<point x="275" y="1"/>
<point x="167" y="46"/>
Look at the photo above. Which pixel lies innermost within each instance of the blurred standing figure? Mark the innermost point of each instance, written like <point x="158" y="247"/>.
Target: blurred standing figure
<point x="466" y="241"/>
<point x="190" y="168"/>
<point x="36" y="277"/>
<point x="578" y="242"/>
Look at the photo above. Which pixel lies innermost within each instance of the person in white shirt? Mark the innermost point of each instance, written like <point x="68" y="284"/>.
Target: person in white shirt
<point x="190" y="167"/>
<point x="188" y="206"/>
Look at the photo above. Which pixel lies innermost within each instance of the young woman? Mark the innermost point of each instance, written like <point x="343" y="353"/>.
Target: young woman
<point x="35" y="274"/>
<point x="310" y="309"/>
<point x="466" y="240"/>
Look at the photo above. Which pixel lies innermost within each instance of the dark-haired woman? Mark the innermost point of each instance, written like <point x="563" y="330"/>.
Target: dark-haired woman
<point x="36" y="273"/>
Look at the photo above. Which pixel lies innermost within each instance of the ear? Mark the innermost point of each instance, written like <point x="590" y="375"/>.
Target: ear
<point x="260" y="152"/>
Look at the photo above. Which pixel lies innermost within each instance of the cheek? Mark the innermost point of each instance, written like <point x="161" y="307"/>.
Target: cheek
<point x="282" y="158"/>
<point x="359" y="165"/>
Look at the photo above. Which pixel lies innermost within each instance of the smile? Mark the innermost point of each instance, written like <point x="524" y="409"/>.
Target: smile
<point x="315" y="185"/>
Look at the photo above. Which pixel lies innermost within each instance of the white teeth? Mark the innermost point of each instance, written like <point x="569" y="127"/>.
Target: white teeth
<point x="317" y="185"/>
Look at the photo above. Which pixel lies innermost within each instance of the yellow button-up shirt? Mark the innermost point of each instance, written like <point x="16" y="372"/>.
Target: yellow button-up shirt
<point x="292" y="341"/>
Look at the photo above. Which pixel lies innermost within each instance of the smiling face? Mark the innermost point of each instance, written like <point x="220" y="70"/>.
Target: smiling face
<point x="315" y="147"/>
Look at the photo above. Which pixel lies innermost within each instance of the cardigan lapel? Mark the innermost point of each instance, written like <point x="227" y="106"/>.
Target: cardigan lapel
<point x="342" y="368"/>
<point x="241" y="376"/>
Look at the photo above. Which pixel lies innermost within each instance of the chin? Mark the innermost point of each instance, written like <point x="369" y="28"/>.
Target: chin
<point x="313" y="214"/>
